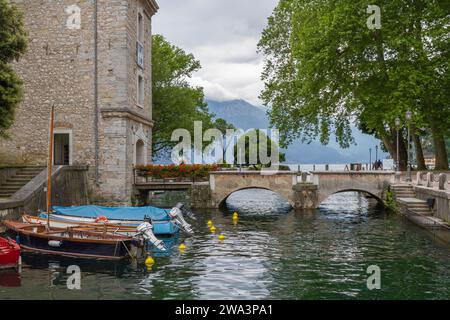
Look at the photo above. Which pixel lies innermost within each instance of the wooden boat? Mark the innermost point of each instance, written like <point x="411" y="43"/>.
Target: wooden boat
<point x="124" y="230"/>
<point x="9" y="253"/>
<point x="160" y="227"/>
<point x="106" y="227"/>
<point x="73" y="242"/>
<point x="83" y="242"/>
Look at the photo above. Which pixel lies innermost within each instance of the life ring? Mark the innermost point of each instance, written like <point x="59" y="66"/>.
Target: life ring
<point x="102" y="218"/>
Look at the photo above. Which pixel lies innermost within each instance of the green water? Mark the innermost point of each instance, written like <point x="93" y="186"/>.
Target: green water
<point x="323" y="254"/>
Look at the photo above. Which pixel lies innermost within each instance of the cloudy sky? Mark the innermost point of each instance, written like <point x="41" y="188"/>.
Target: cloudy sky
<point x="223" y="35"/>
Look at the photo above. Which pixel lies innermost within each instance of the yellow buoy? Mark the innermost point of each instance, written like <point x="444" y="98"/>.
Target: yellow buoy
<point x="235" y="216"/>
<point x="221" y="237"/>
<point x="182" y="247"/>
<point x="213" y="229"/>
<point x="210" y="223"/>
<point x="149" y="262"/>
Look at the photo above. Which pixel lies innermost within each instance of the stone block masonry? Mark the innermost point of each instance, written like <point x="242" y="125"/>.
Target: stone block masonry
<point x="105" y="124"/>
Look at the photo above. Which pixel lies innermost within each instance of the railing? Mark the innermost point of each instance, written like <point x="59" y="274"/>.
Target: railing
<point x="140" y="177"/>
<point x="440" y="181"/>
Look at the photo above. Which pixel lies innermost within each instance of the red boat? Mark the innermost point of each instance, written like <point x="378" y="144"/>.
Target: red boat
<point x="9" y="253"/>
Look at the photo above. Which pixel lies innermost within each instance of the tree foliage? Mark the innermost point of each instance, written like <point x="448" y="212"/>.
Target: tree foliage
<point x="326" y="69"/>
<point x="176" y="103"/>
<point x="254" y="143"/>
<point x="13" y="44"/>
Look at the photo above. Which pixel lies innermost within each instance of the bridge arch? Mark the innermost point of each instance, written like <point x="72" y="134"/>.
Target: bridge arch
<point x="222" y="202"/>
<point x="373" y="183"/>
<point x="223" y="184"/>
<point x="323" y="197"/>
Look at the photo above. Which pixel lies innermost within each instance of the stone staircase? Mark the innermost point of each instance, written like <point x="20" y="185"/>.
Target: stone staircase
<point x="405" y="195"/>
<point x="18" y="181"/>
<point x="403" y="191"/>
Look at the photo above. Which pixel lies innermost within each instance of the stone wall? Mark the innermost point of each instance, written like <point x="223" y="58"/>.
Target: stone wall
<point x="70" y="186"/>
<point x="442" y="197"/>
<point x="201" y="197"/>
<point x="59" y="70"/>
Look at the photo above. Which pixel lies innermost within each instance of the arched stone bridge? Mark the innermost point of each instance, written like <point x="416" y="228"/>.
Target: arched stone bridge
<point x="301" y="194"/>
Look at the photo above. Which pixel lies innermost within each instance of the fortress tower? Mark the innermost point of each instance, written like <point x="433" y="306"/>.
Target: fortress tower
<point x="92" y="60"/>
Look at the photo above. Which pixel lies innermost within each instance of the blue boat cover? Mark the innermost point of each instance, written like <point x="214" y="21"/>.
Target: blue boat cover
<point x="117" y="213"/>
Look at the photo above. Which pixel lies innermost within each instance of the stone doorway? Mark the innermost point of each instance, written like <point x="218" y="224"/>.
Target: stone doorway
<point x="62" y="148"/>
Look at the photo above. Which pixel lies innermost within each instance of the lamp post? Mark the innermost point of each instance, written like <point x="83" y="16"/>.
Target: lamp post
<point x="397" y="126"/>
<point x="370" y="158"/>
<point x="376" y="153"/>
<point x="408" y="119"/>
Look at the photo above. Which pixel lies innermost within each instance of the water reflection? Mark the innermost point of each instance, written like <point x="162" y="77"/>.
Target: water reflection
<point x="257" y="202"/>
<point x="321" y="254"/>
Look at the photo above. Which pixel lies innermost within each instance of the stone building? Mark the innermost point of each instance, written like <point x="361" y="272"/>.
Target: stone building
<point x="91" y="59"/>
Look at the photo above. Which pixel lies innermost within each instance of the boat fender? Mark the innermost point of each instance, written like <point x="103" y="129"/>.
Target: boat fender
<point x="102" y="218"/>
<point x="55" y="243"/>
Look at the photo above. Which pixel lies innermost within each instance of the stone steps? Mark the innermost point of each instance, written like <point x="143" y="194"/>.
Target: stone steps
<point x="416" y="205"/>
<point x="18" y="181"/>
<point x="403" y="191"/>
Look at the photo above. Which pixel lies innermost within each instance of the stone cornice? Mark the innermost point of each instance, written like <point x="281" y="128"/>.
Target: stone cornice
<point x="152" y="4"/>
<point x="126" y="113"/>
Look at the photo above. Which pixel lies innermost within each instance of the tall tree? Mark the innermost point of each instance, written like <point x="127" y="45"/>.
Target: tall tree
<point x="13" y="43"/>
<point x="176" y="103"/>
<point x="325" y="68"/>
<point x="254" y="143"/>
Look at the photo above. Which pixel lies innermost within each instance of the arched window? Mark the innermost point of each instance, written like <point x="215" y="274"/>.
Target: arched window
<point x="140" y="152"/>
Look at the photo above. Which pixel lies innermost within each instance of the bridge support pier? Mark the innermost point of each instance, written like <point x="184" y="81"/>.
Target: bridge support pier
<point x="305" y="196"/>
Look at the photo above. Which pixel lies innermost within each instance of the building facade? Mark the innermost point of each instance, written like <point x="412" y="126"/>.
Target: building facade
<point x="91" y="59"/>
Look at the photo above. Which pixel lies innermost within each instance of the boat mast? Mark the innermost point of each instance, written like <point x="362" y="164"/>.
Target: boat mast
<point x="50" y="167"/>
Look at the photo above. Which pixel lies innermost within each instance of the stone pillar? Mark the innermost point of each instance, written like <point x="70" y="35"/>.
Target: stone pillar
<point x="398" y="177"/>
<point x="304" y="177"/>
<point x="418" y="178"/>
<point x="306" y="196"/>
<point x="429" y="180"/>
<point x="442" y="181"/>
<point x="201" y="196"/>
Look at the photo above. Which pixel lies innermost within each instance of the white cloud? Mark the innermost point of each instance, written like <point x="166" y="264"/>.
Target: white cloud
<point x="223" y="35"/>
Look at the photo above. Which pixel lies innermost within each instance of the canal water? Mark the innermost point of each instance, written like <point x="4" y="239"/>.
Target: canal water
<point x="270" y="253"/>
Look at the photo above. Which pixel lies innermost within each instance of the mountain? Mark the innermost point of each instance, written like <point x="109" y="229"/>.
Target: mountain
<point x="239" y="113"/>
<point x="246" y="116"/>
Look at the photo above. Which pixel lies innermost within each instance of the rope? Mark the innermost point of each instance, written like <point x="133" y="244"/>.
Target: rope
<point x="129" y="253"/>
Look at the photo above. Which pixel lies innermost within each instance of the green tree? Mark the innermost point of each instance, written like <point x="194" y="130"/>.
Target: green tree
<point x="13" y="43"/>
<point x="253" y="143"/>
<point x="326" y="69"/>
<point x="176" y="103"/>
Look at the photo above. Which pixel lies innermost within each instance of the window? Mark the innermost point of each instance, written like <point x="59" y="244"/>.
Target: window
<point x="140" y="41"/>
<point x="141" y="89"/>
<point x="140" y="31"/>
